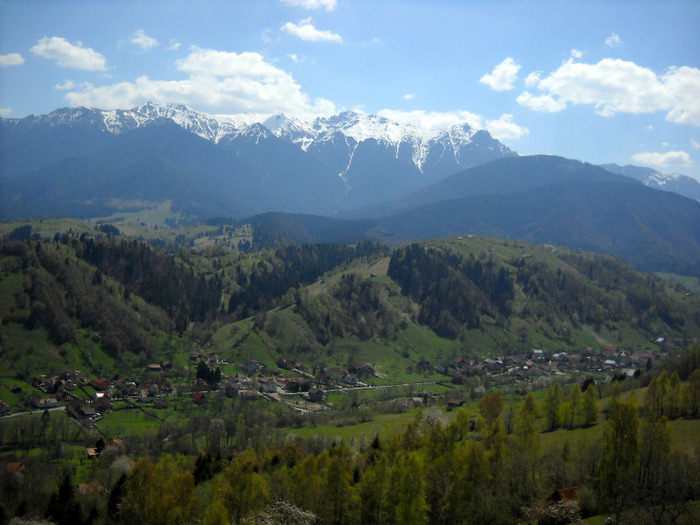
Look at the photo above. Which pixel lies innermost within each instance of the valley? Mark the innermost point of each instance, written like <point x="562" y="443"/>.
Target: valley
<point x="243" y="312"/>
<point x="324" y="348"/>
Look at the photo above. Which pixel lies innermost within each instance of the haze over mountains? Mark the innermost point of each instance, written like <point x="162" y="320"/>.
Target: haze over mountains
<point x="256" y="164"/>
<point x="390" y="181"/>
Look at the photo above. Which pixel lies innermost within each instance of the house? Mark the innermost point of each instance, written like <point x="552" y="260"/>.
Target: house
<point x="424" y="365"/>
<point x="46" y="403"/>
<point x="199" y="398"/>
<point x="454" y="403"/>
<point x="323" y="379"/>
<point x="92" y="453"/>
<point x="145" y="396"/>
<point x="285" y="363"/>
<point x="442" y="368"/>
<point x="316" y="395"/>
<point x="249" y="395"/>
<point x="195" y="355"/>
<point x="361" y="369"/>
<point x="4" y="407"/>
<point x="100" y="384"/>
<point x="251" y="366"/>
<point x="161" y="404"/>
<point x="268" y="385"/>
<point x="350" y="379"/>
<point x="87" y="411"/>
<point x="102" y="402"/>
<point x="153" y="367"/>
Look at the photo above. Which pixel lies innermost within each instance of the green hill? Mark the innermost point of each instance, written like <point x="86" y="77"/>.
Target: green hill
<point x="105" y="299"/>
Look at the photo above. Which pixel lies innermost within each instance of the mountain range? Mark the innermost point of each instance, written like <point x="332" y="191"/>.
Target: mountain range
<point x="230" y="165"/>
<point x="376" y="178"/>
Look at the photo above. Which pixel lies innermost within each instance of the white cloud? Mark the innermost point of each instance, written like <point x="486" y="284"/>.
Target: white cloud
<point x="306" y="31"/>
<point x="533" y="79"/>
<point x="576" y="53"/>
<point x="669" y="159"/>
<point x="12" y="59"/>
<point x="5" y="112"/>
<point x="613" y="40"/>
<point x="293" y="57"/>
<point x="66" y="86"/>
<point x="503" y="128"/>
<point x="329" y="5"/>
<point x="695" y="144"/>
<point x="409" y="96"/>
<point x="141" y="40"/>
<point x="218" y="82"/>
<point x="544" y="103"/>
<point x="69" y="55"/>
<point x="174" y="45"/>
<point x="503" y="75"/>
<point x="433" y="121"/>
<point x="614" y="86"/>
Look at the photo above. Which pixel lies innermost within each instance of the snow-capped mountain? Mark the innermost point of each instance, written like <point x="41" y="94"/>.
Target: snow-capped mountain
<point x="354" y="127"/>
<point x="323" y="165"/>
<point x="673" y="182"/>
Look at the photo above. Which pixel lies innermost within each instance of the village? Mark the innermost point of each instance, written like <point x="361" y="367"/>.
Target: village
<point x="305" y="388"/>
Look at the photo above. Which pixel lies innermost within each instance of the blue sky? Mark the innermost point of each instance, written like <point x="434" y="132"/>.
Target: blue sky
<point x="598" y="81"/>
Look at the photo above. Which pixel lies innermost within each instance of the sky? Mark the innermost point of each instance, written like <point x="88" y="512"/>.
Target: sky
<point x="597" y="81"/>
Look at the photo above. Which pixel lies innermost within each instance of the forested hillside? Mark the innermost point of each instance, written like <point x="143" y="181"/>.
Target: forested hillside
<point x="185" y="367"/>
<point x="129" y="298"/>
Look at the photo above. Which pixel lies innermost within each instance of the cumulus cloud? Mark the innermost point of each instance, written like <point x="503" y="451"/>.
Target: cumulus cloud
<point x="144" y="42"/>
<point x="5" y="112"/>
<point x="503" y="128"/>
<point x="306" y="31"/>
<point x="533" y="79"/>
<point x="503" y="75"/>
<point x="576" y="53"/>
<point x="65" y="54"/>
<point x="544" y="103"/>
<point x="432" y="120"/>
<point x="669" y="159"/>
<point x="174" y="45"/>
<point x="12" y="59"/>
<point x="695" y="144"/>
<point x="409" y="96"/>
<point x="618" y="86"/>
<point x="613" y="40"/>
<point x="218" y="81"/>
<point x="329" y="5"/>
